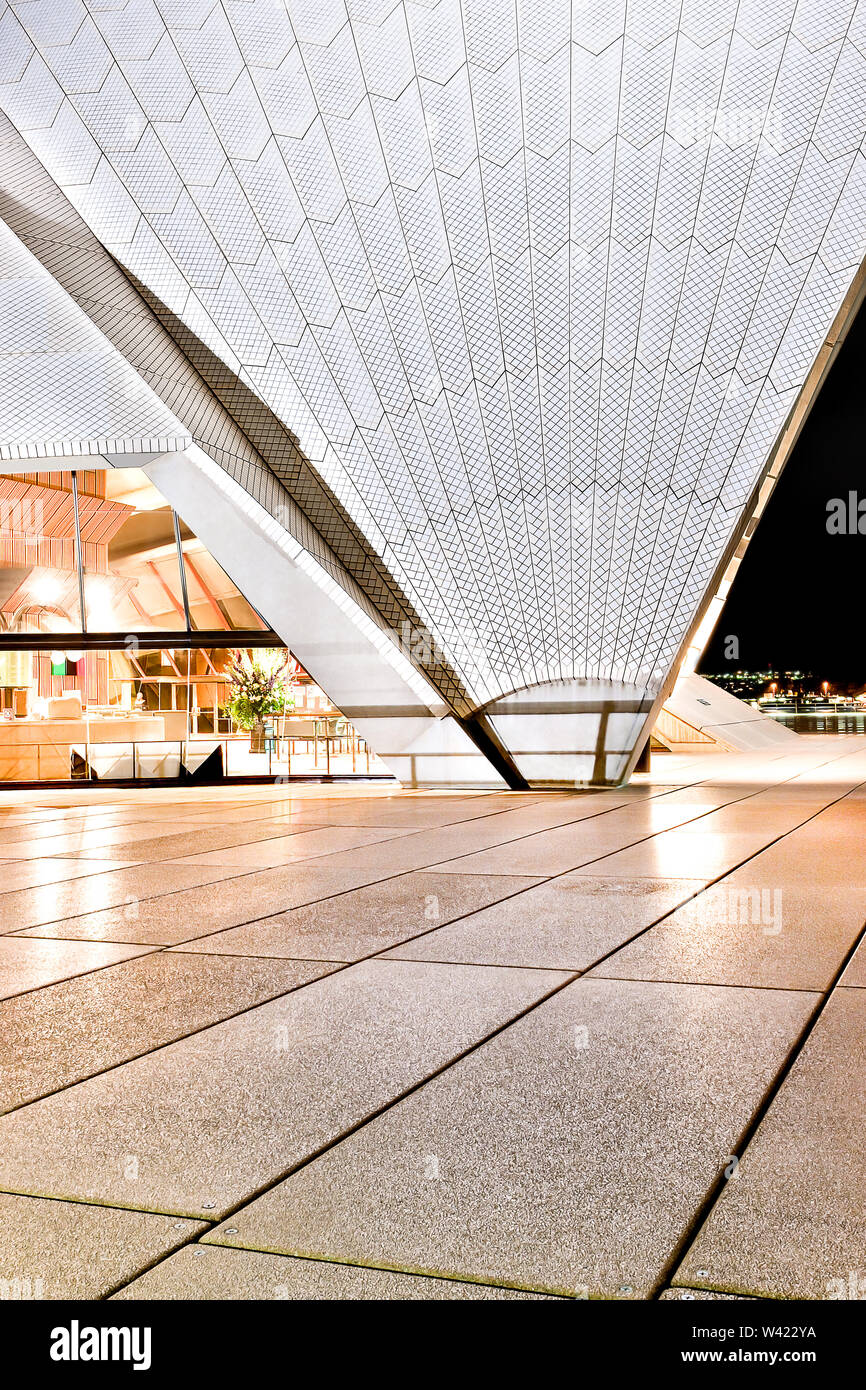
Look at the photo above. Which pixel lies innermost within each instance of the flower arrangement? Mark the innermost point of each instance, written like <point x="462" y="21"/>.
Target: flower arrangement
<point x="258" y="686"/>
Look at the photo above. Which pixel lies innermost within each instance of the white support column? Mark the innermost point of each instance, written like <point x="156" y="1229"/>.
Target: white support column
<point x="393" y="706"/>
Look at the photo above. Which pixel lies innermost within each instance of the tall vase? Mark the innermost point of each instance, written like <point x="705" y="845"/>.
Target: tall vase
<point x="257" y="737"/>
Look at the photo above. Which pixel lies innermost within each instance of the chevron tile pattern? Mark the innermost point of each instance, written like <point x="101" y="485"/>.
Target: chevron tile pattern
<point x="533" y="285"/>
<point x="58" y="374"/>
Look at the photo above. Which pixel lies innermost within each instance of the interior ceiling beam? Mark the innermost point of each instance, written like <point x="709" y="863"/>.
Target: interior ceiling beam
<point x="214" y="606"/>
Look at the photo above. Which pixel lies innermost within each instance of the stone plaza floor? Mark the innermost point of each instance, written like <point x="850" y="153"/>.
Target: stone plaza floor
<point x="350" y="1042"/>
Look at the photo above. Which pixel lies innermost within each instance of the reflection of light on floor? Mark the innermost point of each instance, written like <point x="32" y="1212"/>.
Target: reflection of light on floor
<point x="818" y="762"/>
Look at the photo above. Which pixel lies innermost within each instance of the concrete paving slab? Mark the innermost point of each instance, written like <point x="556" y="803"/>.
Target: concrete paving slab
<point x="39" y="839"/>
<point x="843" y="822"/>
<point x="749" y="815"/>
<point x="633" y="831"/>
<point x="427" y="814"/>
<point x="682" y="854"/>
<point x="164" y="846"/>
<point x="20" y="875"/>
<point x="28" y="965"/>
<point x="567" y="1155"/>
<point x="61" y="1034"/>
<point x="817" y="859"/>
<point x="205" y="1122"/>
<point x="59" y="1250"/>
<point x="708" y="796"/>
<point x="362" y="922"/>
<point x="197" y="912"/>
<point x="503" y="835"/>
<point x="88" y="830"/>
<point x="793" y="1224"/>
<point x="290" y="849"/>
<point x="743" y="933"/>
<point x="813" y="796"/>
<point x="123" y="888"/>
<point x="855" y="972"/>
<point x="565" y="924"/>
<point x="556" y="851"/>
<point x="213" y="1272"/>
<point x="423" y="850"/>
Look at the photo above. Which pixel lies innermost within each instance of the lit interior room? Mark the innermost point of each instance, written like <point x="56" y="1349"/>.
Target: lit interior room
<point x="98" y="697"/>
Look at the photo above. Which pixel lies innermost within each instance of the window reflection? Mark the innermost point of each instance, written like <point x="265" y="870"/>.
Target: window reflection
<point x="132" y="576"/>
<point x="214" y="602"/>
<point x="38" y="572"/>
<point x="130" y="558"/>
<point x="146" y="712"/>
<point x="76" y="705"/>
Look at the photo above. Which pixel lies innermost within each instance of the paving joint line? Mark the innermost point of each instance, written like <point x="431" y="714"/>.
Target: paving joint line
<point x="774" y="1088"/>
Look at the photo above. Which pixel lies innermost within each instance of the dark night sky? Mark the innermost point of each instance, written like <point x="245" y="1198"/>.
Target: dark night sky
<point x="797" y="600"/>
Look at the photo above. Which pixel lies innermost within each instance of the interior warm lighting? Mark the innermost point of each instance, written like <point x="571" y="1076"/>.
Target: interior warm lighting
<point x="101" y="614"/>
<point x="46" y="589"/>
<point x="149" y="711"/>
<point x="56" y="623"/>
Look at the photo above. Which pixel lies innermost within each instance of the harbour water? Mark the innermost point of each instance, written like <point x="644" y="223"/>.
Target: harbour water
<point x="849" y="722"/>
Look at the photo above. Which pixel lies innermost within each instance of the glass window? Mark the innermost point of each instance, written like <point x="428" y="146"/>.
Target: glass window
<point x="131" y="571"/>
<point x="38" y="572"/>
<point x="133" y="582"/>
<point x="140" y="711"/>
<point x="214" y="602"/>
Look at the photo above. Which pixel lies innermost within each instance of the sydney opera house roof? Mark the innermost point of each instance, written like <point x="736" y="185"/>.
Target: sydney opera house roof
<point x="496" y="311"/>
